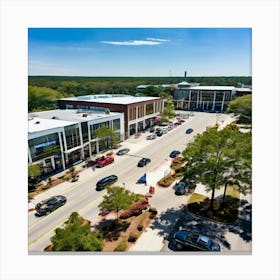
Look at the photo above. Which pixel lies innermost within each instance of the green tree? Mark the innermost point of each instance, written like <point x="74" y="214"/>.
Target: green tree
<point x="42" y="98"/>
<point x="218" y="157"/>
<point x="76" y="236"/>
<point x="168" y="111"/>
<point x="33" y="175"/>
<point x="34" y="170"/>
<point x="108" y="136"/>
<point x="117" y="198"/>
<point x="242" y="107"/>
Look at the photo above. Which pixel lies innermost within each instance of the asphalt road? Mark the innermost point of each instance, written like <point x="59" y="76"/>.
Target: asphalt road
<point x="82" y="196"/>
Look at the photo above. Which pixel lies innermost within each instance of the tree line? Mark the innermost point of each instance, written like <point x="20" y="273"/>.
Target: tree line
<point x="43" y="91"/>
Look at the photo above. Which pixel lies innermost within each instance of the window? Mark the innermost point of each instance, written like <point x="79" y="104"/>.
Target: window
<point x="84" y="126"/>
<point x="44" y="146"/>
<point x="72" y="136"/>
<point x="116" y="124"/>
<point x="149" y="109"/>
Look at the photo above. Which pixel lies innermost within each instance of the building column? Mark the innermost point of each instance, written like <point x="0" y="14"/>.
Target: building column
<point x="214" y="101"/>
<point x="52" y="161"/>
<point x="61" y="150"/>
<point x="197" y="100"/>
<point x="97" y="146"/>
<point x="81" y="140"/>
<point x="223" y="102"/>
<point x="29" y="155"/>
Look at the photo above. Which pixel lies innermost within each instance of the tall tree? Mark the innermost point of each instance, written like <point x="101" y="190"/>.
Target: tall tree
<point x="76" y="236"/>
<point x="117" y="198"/>
<point x="212" y="159"/>
<point x="242" y="107"/>
<point x="168" y="111"/>
<point x="108" y="136"/>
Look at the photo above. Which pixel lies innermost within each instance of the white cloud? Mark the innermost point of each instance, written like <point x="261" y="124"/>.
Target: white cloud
<point x="131" y="43"/>
<point x="159" y="40"/>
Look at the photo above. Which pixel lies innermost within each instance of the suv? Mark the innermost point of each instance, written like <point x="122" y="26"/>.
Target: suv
<point x="45" y="207"/>
<point x="103" y="161"/>
<point x="143" y="161"/>
<point x="106" y="181"/>
<point x="194" y="241"/>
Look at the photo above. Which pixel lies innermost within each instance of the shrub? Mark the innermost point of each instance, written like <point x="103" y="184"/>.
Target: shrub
<point x="61" y="177"/>
<point x="140" y="227"/>
<point x="153" y="210"/>
<point x="109" y="153"/>
<point x="132" y="237"/>
<point x="121" y="247"/>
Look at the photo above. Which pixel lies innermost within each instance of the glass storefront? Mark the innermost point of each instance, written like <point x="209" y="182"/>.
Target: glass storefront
<point x="72" y="136"/>
<point x="44" y="146"/>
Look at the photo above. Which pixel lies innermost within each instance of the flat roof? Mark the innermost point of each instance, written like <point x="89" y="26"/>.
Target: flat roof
<point x="213" y="88"/>
<point x="75" y="115"/>
<point x="112" y="98"/>
<point x="243" y="89"/>
<point x="38" y="124"/>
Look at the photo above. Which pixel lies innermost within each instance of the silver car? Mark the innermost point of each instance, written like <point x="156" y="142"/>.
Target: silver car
<point x="151" y="137"/>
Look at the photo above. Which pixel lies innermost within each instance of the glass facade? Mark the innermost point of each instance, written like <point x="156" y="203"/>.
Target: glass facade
<point x="72" y="136"/>
<point x="116" y="124"/>
<point x="44" y="146"/>
<point x="94" y="127"/>
<point x="84" y="126"/>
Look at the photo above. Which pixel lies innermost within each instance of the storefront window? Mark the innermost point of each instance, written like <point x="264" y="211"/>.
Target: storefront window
<point x="84" y="126"/>
<point x="72" y="136"/>
<point x="44" y="146"/>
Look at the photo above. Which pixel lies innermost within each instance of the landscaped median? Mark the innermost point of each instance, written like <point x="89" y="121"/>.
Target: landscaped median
<point x="225" y="209"/>
<point x="175" y="173"/>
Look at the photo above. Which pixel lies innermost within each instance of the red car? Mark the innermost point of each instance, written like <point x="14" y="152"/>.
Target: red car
<point x="103" y="161"/>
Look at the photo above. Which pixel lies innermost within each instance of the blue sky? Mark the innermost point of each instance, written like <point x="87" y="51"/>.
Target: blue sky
<point x="139" y="51"/>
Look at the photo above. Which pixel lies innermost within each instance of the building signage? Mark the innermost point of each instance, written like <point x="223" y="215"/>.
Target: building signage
<point x="46" y="144"/>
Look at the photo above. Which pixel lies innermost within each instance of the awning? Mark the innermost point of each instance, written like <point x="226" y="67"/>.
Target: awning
<point x="157" y="118"/>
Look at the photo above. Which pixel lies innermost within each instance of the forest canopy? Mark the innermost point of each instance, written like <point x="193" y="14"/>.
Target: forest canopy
<point x="43" y="91"/>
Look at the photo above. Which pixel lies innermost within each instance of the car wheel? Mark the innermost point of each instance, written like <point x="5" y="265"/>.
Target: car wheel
<point x="179" y="246"/>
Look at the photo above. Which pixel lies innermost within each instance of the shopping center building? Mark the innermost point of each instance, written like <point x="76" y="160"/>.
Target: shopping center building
<point x="58" y="139"/>
<point x="204" y="98"/>
<point x="139" y="112"/>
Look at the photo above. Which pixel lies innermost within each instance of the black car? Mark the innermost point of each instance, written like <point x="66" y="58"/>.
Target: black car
<point x="92" y="162"/>
<point x="159" y="133"/>
<point x="143" y="161"/>
<point x="122" y="151"/>
<point x="109" y="180"/>
<point x="194" y="241"/>
<point x="189" y="130"/>
<point x="174" y="154"/>
<point x="151" y="130"/>
<point x="45" y="207"/>
<point x="180" y="188"/>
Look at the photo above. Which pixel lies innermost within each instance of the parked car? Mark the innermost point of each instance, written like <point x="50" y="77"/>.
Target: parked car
<point x="159" y="133"/>
<point x="143" y="161"/>
<point x="152" y="130"/>
<point x="45" y="207"/>
<point x="180" y="188"/>
<point x="189" y="130"/>
<point x="123" y="151"/>
<point x="185" y="239"/>
<point x="158" y="129"/>
<point x="92" y="162"/>
<point x="106" y="181"/>
<point x="105" y="160"/>
<point x="151" y="137"/>
<point x="164" y="131"/>
<point x="174" y="153"/>
<point x="177" y="123"/>
<point x="163" y="124"/>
